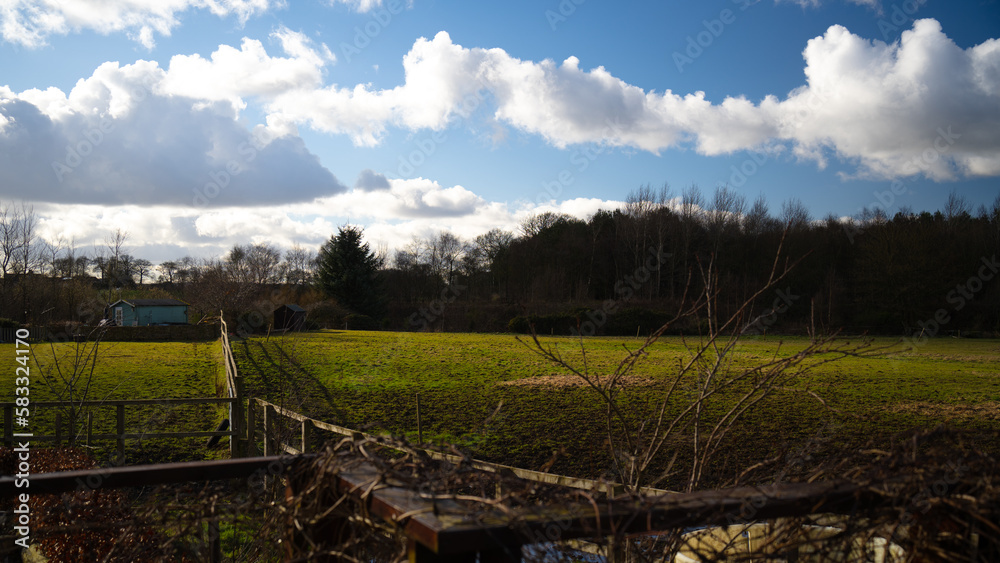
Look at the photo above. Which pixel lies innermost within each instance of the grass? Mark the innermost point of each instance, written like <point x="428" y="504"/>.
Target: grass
<point x="370" y="380"/>
<point x="125" y="371"/>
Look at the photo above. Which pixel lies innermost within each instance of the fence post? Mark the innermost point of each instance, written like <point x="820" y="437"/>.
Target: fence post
<point x="58" y="428"/>
<point x="307" y="427"/>
<point x="251" y="430"/>
<point x="8" y="426"/>
<point x="121" y="433"/>
<point x="214" y="539"/>
<point x="269" y="416"/>
<point x="90" y="427"/>
<point x="238" y="447"/>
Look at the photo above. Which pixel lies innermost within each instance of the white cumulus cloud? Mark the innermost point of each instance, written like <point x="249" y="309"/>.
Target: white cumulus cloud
<point x="121" y="137"/>
<point x="921" y="105"/>
<point x="30" y="22"/>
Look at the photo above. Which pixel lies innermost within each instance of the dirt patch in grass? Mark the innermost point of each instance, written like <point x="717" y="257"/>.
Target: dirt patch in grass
<point x="989" y="410"/>
<point x="564" y="381"/>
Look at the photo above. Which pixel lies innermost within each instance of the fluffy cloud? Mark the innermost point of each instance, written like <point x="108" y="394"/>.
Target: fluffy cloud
<point x="409" y="209"/>
<point x="369" y="180"/>
<point x="378" y="197"/>
<point x="361" y="6"/>
<point x="922" y="105"/>
<point x="233" y="74"/>
<point x="122" y="137"/>
<point x="919" y="106"/>
<point x="30" y="22"/>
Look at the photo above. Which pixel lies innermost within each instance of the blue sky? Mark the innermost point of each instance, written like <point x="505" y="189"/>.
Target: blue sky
<point x="212" y="123"/>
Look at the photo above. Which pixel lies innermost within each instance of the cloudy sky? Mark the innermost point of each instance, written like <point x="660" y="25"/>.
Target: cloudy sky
<point x="197" y="124"/>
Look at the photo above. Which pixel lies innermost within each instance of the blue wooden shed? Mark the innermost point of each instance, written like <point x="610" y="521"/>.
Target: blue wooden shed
<point x="147" y="312"/>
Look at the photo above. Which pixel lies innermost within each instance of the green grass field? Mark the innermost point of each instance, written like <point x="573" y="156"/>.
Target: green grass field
<point x="370" y="379"/>
<point x="128" y="370"/>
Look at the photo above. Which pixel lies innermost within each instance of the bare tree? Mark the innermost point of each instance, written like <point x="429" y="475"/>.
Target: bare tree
<point x="644" y="207"/>
<point x="111" y="255"/>
<point x="711" y="378"/>
<point x="27" y="254"/>
<point x="692" y="204"/>
<point x="794" y="214"/>
<point x="9" y="239"/>
<point x="263" y="263"/>
<point x="957" y="207"/>
<point x="51" y="259"/>
<point x="168" y="269"/>
<point x="70" y="372"/>
<point x="728" y="207"/>
<point x="142" y="268"/>
<point x="757" y="221"/>
<point x="299" y="265"/>
<point x="534" y="224"/>
<point x="448" y="249"/>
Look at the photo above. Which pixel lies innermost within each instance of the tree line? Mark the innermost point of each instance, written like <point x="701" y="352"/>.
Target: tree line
<point x="872" y="272"/>
<point x="911" y="272"/>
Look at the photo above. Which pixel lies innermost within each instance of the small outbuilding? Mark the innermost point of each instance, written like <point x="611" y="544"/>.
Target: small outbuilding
<point x="148" y="312"/>
<point x="289" y="317"/>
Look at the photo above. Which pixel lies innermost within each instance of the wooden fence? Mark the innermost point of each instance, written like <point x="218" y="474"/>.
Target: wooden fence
<point x="9" y="335"/>
<point x="305" y="437"/>
<point x="438" y="532"/>
<point x="234" y="385"/>
<point x="120" y="435"/>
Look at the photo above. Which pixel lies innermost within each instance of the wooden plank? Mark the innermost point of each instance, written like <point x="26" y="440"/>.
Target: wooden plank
<point x="147" y="475"/>
<point x="446" y="527"/>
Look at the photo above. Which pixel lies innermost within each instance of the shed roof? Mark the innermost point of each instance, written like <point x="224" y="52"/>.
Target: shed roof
<point x="152" y="302"/>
